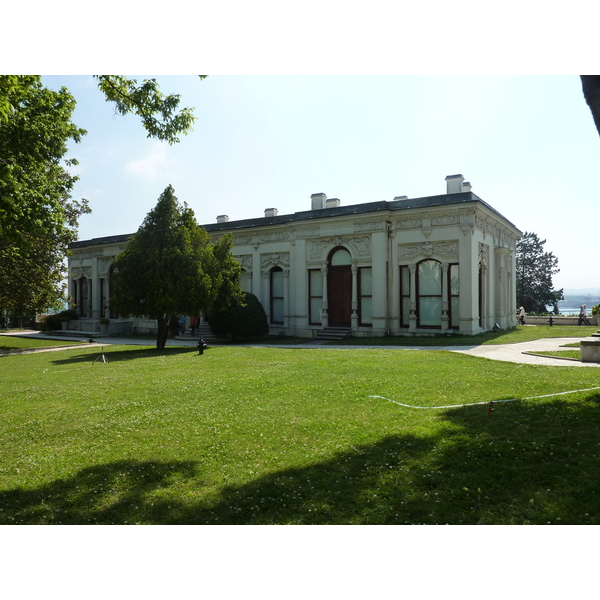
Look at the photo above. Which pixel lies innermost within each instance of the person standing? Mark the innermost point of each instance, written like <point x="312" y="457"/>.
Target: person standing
<point x="522" y="315"/>
<point x="193" y="324"/>
<point x="182" y="324"/>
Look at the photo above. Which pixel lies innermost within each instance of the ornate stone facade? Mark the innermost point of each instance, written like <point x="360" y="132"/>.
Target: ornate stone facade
<point x="408" y="267"/>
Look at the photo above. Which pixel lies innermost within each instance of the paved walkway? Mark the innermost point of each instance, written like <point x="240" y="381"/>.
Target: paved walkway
<point x="504" y="352"/>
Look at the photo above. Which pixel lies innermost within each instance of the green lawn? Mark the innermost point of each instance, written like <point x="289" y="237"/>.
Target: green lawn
<point x="521" y="333"/>
<point x="262" y="435"/>
<point x="8" y="343"/>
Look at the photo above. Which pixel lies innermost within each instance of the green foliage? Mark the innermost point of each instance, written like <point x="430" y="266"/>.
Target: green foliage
<point x="157" y="111"/>
<point x="596" y="310"/>
<point x="238" y="321"/>
<point x="53" y="322"/>
<point x="534" y="275"/>
<point x="38" y="219"/>
<point x="171" y="267"/>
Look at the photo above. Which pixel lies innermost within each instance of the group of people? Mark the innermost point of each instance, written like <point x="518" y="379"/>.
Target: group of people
<point x="582" y="316"/>
<point x="194" y="323"/>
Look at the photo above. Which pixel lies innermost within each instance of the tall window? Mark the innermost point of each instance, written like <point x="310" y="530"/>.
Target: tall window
<point x="404" y="296"/>
<point x="102" y="292"/>
<point x="315" y="295"/>
<point x="429" y="293"/>
<point x="453" y="293"/>
<point x="246" y="281"/>
<point x="83" y="296"/>
<point x="277" y="295"/>
<point x="365" y="306"/>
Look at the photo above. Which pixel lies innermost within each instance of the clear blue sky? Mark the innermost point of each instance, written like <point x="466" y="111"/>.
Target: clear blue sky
<point x="527" y="144"/>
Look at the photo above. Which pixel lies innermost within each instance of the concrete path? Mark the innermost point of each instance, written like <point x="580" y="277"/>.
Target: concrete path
<point x="503" y="352"/>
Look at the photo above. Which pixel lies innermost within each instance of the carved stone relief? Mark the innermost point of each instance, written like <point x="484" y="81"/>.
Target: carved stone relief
<point x="447" y="250"/>
<point x="360" y="245"/>
<point x="77" y="272"/>
<point x="238" y="240"/>
<point x="441" y="220"/>
<point x="245" y="260"/>
<point x="302" y="234"/>
<point x="275" y="259"/>
<point x="379" y="225"/>
<point x="278" y="236"/>
<point x="104" y="264"/>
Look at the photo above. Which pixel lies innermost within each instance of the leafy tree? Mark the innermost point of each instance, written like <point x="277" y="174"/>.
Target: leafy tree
<point x="171" y="267"/>
<point x="38" y="219"/>
<point x="535" y="269"/>
<point x="244" y="320"/>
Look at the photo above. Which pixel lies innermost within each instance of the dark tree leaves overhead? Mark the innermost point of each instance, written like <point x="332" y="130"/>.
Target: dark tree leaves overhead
<point x="591" y="92"/>
<point x="171" y="267"/>
<point x="535" y="269"/>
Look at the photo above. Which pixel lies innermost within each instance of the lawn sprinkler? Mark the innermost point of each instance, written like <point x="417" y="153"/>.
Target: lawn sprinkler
<point x="202" y="345"/>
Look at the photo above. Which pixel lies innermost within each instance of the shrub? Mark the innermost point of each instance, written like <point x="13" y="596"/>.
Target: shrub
<point x="240" y="321"/>
<point x="596" y="310"/>
<point x="50" y="322"/>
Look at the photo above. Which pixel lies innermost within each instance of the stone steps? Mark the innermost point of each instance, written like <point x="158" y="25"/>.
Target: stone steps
<point x="333" y="333"/>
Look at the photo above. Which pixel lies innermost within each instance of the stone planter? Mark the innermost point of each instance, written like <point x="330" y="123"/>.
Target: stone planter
<point x="103" y="327"/>
<point x="590" y="350"/>
<point x="64" y="325"/>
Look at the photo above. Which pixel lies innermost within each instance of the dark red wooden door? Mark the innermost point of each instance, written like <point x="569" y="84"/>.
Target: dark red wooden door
<point x="339" y="296"/>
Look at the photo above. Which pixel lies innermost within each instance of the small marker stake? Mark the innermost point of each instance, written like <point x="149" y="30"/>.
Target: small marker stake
<point x="491" y="409"/>
<point x="101" y="357"/>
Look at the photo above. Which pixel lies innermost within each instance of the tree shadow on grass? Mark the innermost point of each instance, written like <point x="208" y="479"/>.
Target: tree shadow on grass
<point x="116" y="493"/>
<point x="526" y="462"/>
<point x="112" y="354"/>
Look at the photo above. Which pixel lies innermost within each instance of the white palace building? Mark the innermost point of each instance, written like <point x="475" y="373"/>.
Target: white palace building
<point x="410" y="266"/>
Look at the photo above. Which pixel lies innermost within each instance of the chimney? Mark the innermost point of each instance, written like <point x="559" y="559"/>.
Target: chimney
<point x="332" y="202"/>
<point x="454" y="184"/>
<point x="400" y="198"/>
<point x="466" y="186"/>
<point x="271" y="212"/>
<point x="318" y="201"/>
<point x="222" y="219"/>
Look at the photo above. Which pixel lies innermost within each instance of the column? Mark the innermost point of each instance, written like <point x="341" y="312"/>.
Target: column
<point x="354" y="316"/>
<point x="324" y="314"/>
<point x="412" y="318"/>
<point x="445" y="323"/>
<point x="286" y="295"/>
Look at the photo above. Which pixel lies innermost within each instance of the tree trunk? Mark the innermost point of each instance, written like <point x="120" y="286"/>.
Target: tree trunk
<point x="163" y="331"/>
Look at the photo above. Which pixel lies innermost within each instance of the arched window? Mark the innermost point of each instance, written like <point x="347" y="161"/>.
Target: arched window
<point x="429" y="294"/>
<point x="277" y="295"/>
<point x="340" y="258"/>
